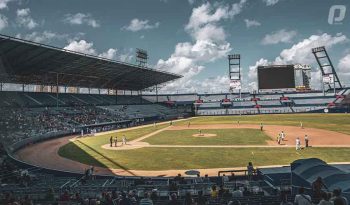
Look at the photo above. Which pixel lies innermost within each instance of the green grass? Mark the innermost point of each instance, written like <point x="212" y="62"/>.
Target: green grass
<point x="100" y="140"/>
<point x="88" y="150"/>
<point x="333" y="122"/>
<point x="195" y="158"/>
<point x="224" y="137"/>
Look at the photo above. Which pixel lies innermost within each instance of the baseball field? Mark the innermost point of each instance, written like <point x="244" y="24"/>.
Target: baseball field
<point x="208" y="144"/>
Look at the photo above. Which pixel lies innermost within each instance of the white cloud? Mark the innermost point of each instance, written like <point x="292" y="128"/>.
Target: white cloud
<point x="281" y="36"/>
<point x="83" y="46"/>
<point x="3" y="22"/>
<point x="42" y="37"/>
<point x="24" y="19"/>
<point x="270" y="2"/>
<point x="300" y="53"/>
<point x="142" y="37"/>
<point x="209" y="45"/>
<point x="344" y="64"/>
<point x="80" y="19"/>
<point x="138" y="25"/>
<point x="3" y="4"/>
<point x="109" y="54"/>
<point x="205" y="14"/>
<point x="251" y="23"/>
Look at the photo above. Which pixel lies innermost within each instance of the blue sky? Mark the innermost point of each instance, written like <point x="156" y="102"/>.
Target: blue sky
<point x="188" y="37"/>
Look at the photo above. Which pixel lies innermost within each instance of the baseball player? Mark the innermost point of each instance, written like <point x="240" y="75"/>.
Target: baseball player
<point x="124" y="140"/>
<point x="283" y="135"/>
<point x="306" y="138"/>
<point x="279" y="138"/>
<point x="297" y="144"/>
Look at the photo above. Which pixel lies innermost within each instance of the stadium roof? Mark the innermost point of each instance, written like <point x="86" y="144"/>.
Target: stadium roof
<point x="27" y="62"/>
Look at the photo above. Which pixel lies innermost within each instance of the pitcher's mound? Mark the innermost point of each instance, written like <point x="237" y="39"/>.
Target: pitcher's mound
<point x="204" y="135"/>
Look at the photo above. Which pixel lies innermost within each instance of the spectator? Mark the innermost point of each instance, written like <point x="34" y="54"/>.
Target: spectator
<point x="221" y="191"/>
<point x="325" y="199"/>
<point x="250" y="170"/>
<point x="337" y="196"/>
<point x="173" y="200"/>
<point x="188" y="199"/>
<point x="201" y="200"/>
<point x="214" y="192"/>
<point x="232" y="177"/>
<point x="146" y="200"/>
<point x="237" y="193"/>
<point x="339" y="201"/>
<point x="124" y="200"/>
<point x="317" y="186"/>
<point x="301" y="198"/>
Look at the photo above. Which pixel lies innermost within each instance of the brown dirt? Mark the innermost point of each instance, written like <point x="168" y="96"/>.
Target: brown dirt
<point x="204" y="135"/>
<point x="45" y="154"/>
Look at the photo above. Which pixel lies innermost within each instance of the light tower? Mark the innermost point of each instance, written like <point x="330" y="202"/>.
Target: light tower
<point x="329" y="75"/>
<point x="234" y="64"/>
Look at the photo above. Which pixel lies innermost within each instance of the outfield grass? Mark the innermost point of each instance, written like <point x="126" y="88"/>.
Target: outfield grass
<point x="224" y="137"/>
<point x="334" y="122"/>
<point x="195" y="158"/>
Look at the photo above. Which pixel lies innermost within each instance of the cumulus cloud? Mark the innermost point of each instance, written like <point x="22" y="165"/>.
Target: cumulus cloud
<point x="270" y="2"/>
<point x="300" y="53"/>
<point x="344" y="64"/>
<point x="3" y="3"/>
<point x="138" y="25"/>
<point x="42" y="37"/>
<point x="109" y="54"/>
<point x="24" y="19"/>
<point x="81" y="46"/>
<point x="209" y="44"/>
<point x="3" y="22"/>
<point x="281" y="36"/>
<point x="251" y="23"/>
<point x="81" y="19"/>
<point x="85" y="47"/>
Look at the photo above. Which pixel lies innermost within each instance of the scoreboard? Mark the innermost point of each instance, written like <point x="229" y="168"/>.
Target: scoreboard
<point x="276" y="77"/>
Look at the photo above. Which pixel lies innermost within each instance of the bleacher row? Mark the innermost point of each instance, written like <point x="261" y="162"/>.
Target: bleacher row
<point x="37" y="99"/>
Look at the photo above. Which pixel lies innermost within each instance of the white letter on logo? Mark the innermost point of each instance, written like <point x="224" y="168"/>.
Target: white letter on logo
<point x="334" y="19"/>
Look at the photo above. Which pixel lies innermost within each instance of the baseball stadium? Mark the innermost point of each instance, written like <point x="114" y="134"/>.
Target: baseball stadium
<point x="80" y="128"/>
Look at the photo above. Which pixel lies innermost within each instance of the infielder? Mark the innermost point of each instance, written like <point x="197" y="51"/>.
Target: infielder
<point x="124" y="140"/>
<point x="283" y="135"/>
<point x="297" y="144"/>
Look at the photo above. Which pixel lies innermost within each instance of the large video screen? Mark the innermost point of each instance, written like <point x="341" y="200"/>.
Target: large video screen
<point x="276" y="77"/>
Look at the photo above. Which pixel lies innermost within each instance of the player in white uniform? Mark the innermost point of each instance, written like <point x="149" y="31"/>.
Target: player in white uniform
<point x="297" y="144"/>
<point x="124" y="140"/>
<point x="283" y="135"/>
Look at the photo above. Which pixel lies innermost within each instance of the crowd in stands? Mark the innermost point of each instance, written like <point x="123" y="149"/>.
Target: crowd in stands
<point x="20" y="123"/>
